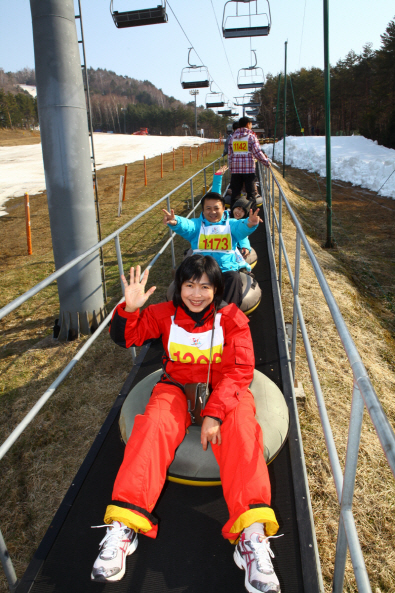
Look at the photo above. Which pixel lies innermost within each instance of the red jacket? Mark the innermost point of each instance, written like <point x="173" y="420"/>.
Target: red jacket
<point x="229" y="379"/>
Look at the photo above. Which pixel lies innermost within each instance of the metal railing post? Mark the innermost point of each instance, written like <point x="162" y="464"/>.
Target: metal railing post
<point x="173" y="255"/>
<point x="7" y="565"/>
<point x="120" y="263"/>
<point x="350" y="470"/>
<point x="267" y="199"/>
<point x="280" y="234"/>
<point x="205" y="181"/>
<point x="273" y="219"/>
<point x="296" y="294"/>
<point x="192" y="198"/>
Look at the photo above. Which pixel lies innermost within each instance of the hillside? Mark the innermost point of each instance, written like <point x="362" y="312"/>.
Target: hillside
<point x="120" y="104"/>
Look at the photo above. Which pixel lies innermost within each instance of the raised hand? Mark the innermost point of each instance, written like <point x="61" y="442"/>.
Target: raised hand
<point x="135" y="297"/>
<point x="254" y="218"/>
<point x="169" y="217"/>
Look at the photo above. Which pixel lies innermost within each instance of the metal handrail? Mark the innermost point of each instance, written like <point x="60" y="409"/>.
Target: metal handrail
<point x="5" y="447"/>
<point x="363" y="391"/>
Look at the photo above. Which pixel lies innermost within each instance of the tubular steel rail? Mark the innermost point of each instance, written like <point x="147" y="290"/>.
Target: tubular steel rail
<point x="5" y="447"/>
<point x="363" y="392"/>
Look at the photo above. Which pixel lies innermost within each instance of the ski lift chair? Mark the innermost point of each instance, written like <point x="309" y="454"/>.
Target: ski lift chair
<point x="237" y="22"/>
<point x="229" y="109"/>
<point x="139" y="18"/>
<point x="252" y="111"/>
<point x="225" y="111"/>
<point x="251" y="77"/>
<point x="194" y="77"/>
<point x="215" y="99"/>
<point x="250" y="102"/>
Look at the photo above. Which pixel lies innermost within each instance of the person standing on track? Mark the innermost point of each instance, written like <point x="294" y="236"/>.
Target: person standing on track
<point x="242" y="150"/>
<point x="229" y="138"/>
<point x="187" y="325"/>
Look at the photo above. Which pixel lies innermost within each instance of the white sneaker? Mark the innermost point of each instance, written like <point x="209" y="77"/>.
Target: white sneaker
<point x="254" y="556"/>
<point x="120" y="541"/>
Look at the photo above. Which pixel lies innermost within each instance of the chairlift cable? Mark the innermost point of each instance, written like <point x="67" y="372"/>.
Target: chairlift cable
<point x="301" y="38"/>
<point x="222" y="41"/>
<point x="189" y="41"/>
<point x="191" y="44"/>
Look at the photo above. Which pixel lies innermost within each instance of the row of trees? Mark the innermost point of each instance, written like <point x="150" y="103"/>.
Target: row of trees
<point x="362" y="96"/>
<point x="109" y="113"/>
<point x="17" y="110"/>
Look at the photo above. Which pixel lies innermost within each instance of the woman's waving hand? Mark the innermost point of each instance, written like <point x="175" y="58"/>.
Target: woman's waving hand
<point x="135" y="295"/>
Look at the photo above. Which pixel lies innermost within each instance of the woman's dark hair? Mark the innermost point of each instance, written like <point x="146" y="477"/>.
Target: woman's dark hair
<point x="212" y="195"/>
<point x="193" y="268"/>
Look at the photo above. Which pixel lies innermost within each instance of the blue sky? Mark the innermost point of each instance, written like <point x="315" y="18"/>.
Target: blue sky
<point x="159" y="52"/>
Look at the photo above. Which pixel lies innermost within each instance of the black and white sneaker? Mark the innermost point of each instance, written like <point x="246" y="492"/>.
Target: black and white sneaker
<point x="254" y="556"/>
<point x="120" y="541"/>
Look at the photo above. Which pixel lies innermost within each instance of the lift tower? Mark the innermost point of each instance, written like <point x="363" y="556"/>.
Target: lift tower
<point x="67" y="163"/>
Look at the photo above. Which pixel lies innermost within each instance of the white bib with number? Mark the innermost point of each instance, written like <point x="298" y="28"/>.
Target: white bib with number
<point x="240" y="145"/>
<point x="215" y="238"/>
<point x="194" y="348"/>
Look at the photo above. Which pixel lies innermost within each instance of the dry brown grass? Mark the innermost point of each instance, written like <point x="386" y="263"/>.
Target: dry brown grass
<point x="39" y="468"/>
<point x="16" y="137"/>
<point x="360" y="275"/>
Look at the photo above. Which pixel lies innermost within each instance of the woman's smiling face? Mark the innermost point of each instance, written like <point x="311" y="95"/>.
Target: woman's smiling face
<point x="197" y="294"/>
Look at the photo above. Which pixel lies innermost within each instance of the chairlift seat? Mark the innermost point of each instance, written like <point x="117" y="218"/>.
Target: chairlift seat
<point x="250" y="85"/>
<point x="214" y="104"/>
<point x="139" y="18"/>
<point x="246" y="32"/>
<point x="198" y="84"/>
<point x="225" y="111"/>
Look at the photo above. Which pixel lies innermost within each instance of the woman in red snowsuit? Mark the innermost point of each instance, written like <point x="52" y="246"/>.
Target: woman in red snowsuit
<point x="185" y="326"/>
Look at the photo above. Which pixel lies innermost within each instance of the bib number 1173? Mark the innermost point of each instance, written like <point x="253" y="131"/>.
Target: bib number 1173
<point x="216" y="243"/>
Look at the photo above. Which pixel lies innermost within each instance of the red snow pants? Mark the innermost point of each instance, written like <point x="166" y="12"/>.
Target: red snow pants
<point x="150" y="450"/>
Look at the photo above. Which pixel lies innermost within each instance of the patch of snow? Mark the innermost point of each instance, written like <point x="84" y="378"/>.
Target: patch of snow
<point x="354" y="159"/>
<point x="22" y="170"/>
<point x="32" y="90"/>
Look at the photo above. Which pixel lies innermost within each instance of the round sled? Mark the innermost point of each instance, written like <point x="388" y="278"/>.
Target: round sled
<point x="251" y="293"/>
<point x="252" y="258"/>
<point x="192" y="465"/>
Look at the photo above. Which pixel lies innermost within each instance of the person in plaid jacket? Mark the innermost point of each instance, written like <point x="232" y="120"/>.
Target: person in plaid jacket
<point x="243" y="149"/>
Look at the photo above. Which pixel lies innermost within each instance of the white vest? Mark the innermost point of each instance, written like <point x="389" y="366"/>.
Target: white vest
<point x="194" y="348"/>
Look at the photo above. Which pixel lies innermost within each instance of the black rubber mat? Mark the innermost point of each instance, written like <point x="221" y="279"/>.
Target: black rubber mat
<point x="189" y="554"/>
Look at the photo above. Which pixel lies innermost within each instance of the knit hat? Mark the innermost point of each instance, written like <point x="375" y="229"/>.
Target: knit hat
<point x="243" y="203"/>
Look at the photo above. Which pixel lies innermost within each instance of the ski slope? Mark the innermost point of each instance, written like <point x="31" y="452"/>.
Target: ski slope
<point x="354" y="159"/>
<point x="22" y="170"/>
